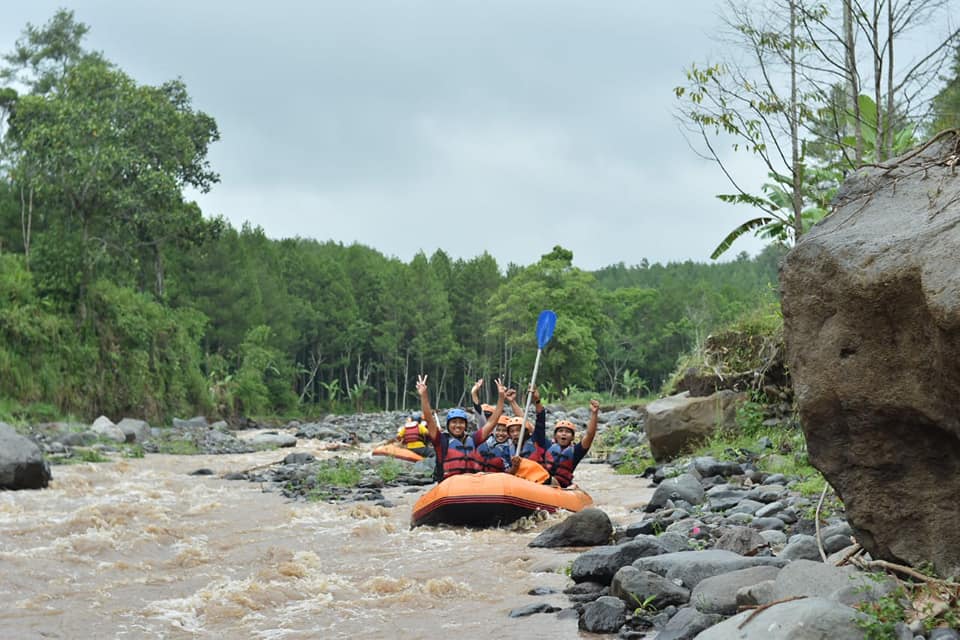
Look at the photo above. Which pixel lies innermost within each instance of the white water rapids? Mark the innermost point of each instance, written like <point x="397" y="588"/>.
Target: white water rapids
<point x="138" y="548"/>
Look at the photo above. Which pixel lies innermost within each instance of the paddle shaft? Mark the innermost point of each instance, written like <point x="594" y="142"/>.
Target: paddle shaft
<point x="526" y="408"/>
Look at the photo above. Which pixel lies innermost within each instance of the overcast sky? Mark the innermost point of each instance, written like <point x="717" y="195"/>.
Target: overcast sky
<point x="507" y="126"/>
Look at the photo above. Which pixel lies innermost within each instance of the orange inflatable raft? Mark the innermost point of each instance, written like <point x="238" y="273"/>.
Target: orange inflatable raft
<point x="397" y="452"/>
<point x="491" y="499"/>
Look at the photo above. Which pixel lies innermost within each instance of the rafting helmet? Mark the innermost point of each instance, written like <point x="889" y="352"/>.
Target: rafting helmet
<point x="504" y="419"/>
<point x="564" y="424"/>
<point x="516" y="421"/>
<point x="487" y="409"/>
<point x="456" y="413"/>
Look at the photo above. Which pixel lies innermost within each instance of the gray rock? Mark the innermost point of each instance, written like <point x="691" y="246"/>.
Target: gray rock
<point x="599" y="564"/>
<point x="676" y="422"/>
<point x="943" y="634"/>
<point x="743" y="541"/>
<point x="871" y="305"/>
<point x="686" y="624"/>
<point x="718" y="594"/>
<point x="683" y="487"/>
<point x="105" y="429"/>
<point x="637" y="588"/>
<point x="806" y="619"/>
<point x="134" y="430"/>
<point x="765" y="524"/>
<point x="748" y="506"/>
<point x="690" y="567"/>
<point x="757" y="594"/>
<point x="708" y="466"/>
<point x="725" y="496"/>
<point x="196" y="422"/>
<point x="586" y="528"/>
<point x="273" y="439"/>
<point x="606" y="614"/>
<point x="819" y="580"/>
<point x="801" y="547"/>
<point x="530" y="609"/>
<point x="774" y="537"/>
<point x="22" y="465"/>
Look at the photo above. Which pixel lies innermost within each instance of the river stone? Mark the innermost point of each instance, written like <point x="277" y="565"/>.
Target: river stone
<point x="196" y="422"/>
<point x="683" y="487"/>
<point x="690" y="567"/>
<point x="871" y="306"/>
<point x="815" y="579"/>
<point x="22" y="465"/>
<point x="107" y="430"/>
<point x="718" y="594"/>
<point x="740" y="540"/>
<point x="806" y="619"/>
<point x="600" y="563"/>
<point x="686" y="624"/>
<point x="135" y="430"/>
<point x="586" y="528"/>
<point x="273" y="439"/>
<point x="638" y="588"/>
<point x="677" y="422"/>
<point x="606" y="614"/>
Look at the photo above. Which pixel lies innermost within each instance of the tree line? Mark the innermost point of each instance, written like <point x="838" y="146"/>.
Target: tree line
<point x="118" y="296"/>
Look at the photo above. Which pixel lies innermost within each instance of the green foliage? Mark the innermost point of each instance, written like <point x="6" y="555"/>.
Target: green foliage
<point x="882" y="614"/>
<point x="134" y="451"/>
<point x="946" y="104"/>
<point x="178" y="447"/>
<point x="339" y="473"/>
<point x="390" y="470"/>
<point x="91" y="455"/>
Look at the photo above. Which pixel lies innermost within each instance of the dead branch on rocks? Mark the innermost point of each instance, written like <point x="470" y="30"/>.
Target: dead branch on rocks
<point x="757" y="610"/>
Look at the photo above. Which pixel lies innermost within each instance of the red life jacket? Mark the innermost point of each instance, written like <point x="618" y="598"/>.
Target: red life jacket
<point x="488" y="459"/>
<point x="411" y="434"/>
<point x="459" y="457"/>
<point x="559" y="463"/>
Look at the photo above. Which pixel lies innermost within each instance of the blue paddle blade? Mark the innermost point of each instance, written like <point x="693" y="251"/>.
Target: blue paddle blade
<point x="545" y="324"/>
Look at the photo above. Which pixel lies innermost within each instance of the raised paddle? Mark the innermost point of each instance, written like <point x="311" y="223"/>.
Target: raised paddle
<point x="545" y="325"/>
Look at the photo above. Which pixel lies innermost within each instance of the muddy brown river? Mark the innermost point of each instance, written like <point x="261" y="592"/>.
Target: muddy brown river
<point x="138" y="548"/>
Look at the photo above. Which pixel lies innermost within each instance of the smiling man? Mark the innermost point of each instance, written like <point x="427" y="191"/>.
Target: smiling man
<point x="562" y="456"/>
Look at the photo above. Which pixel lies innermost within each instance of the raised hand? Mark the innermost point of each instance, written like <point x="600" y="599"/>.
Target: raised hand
<point x="594" y="407"/>
<point x="477" y="386"/>
<point x="501" y="390"/>
<point x="535" y="395"/>
<point x="511" y="395"/>
<point x="422" y="385"/>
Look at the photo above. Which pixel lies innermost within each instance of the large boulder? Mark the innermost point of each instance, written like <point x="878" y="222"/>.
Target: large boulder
<point x="22" y="465"/>
<point x="586" y="528"/>
<point x="871" y="305"/>
<point x="676" y="423"/>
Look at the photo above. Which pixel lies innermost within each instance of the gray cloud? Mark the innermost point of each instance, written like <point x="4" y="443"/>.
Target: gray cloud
<point x="501" y="126"/>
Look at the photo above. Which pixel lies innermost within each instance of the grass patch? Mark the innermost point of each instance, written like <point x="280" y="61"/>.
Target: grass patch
<point x="178" y="447"/>
<point x="134" y="451"/>
<point x="80" y="456"/>
<point x="340" y="474"/>
<point x="390" y="470"/>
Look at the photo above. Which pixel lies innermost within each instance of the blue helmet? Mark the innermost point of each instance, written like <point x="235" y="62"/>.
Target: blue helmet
<point x="456" y="413"/>
<point x="416" y="417"/>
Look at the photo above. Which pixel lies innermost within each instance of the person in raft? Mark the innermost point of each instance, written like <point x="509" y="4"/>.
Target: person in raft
<point x="455" y="449"/>
<point x="562" y="456"/>
<point x="415" y="436"/>
<point x="487" y="409"/>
